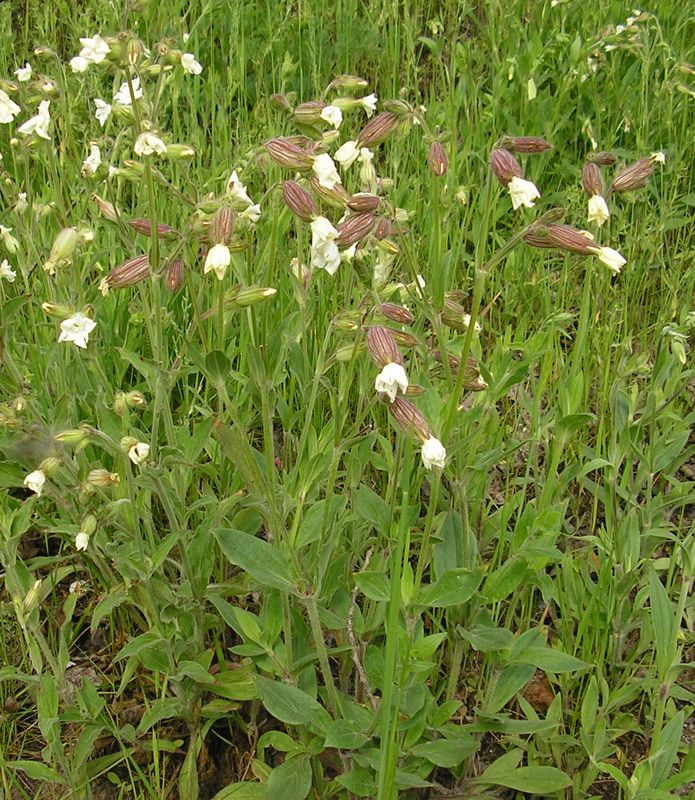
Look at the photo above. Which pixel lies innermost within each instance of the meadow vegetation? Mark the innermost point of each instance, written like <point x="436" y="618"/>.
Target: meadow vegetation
<point x="346" y="400"/>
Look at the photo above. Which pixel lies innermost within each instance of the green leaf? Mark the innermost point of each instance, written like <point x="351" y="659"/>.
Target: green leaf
<point x="36" y="770"/>
<point x="503" y="581"/>
<point x="669" y="741"/>
<point x="345" y="734"/>
<point x="291" y="780"/>
<point x="245" y="790"/>
<point x="446" y="752"/>
<point x="534" y="780"/>
<point x="257" y="557"/>
<point x="663" y="622"/>
<point x="456" y="586"/>
<point x="235" y="445"/>
<point x="510" y="681"/>
<point x="217" y="367"/>
<point x="162" y="708"/>
<point x="488" y="639"/>
<point x="371" y="508"/>
<point x="374" y="585"/>
<point x="291" y="705"/>
<point x="550" y="660"/>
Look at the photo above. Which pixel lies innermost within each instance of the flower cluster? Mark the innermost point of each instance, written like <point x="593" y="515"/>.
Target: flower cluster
<point x="508" y="171"/>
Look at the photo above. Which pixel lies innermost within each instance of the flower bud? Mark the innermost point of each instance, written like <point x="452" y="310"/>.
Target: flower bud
<point x="348" y="352"/>
<point x="398" y="107"/>
<point x="180" y="151"/>
<point x="308" y="113"/>
<point x="504" y="166"/>
<point x="222" y="225"/>
<point x="363" y="201"/>
<point x="71" y="436"/>
<point x="49" y="466"/>
<point x="106" y="209"/>
<point x="287" y="154"/>
<point x="603" y="159"/>
<point x="63" y="248"/>
<point x="405" y="339"/>
<point x="562" y="237"/>
<point x="102" y="478"/>
<point x="592" y="180"/>
<point x="397" y="313"/>
<point x="336" y="197"/>
<point x="299" y="201"/>
<point x="174" y="277"/>
<point x="129" y="273"/>
<point x="410" y="419"/>
<point x="384" y="228"/>
<point x="456" y="317"/>
<point x="378" y="129"/>
<point x="134" y="50"/>
<point x="382" y="346"/>
<point x="144" y="226"/>
<point x="89" y="524"/>
<point x="524" y="144"/>
<point x="347" y="321"/>
<point x="353" y="229"/>
<point x="279" y="102"/>
<point x="437" y="160"/>
<point x="56" y="310"/>
<point x="252" y="295"/>
<point x="135" y="399"/>
<point x="388" y="246"/>
<point x="349" y="83"/>
<point x="634" y="176"/>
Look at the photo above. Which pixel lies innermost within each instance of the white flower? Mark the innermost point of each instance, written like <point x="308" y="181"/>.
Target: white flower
<point x="7" y="272"/>
<point x="658" y="157"/>
<point x="349" y="253"/>
<point x="391" y="378"/>
<point x="11" y="244"/>
<point x="610" y="257"/>
<point x="103" y="111"/>
<point x="332" y="115"/>
<point x="522" y="192"/>
<point x="94" y="49"/>
<point x="325" y="171"/>
<point x="24" y="73"/>
<point x="149" y="144"/>
<point x="76" y="329"/>
<point x="252" y="213"/>
<point x="38" y="124"/>
<point x="347" y="154"/>
<point x="35" y="481"/>
<point x="81" y="540"/>
<point x="367" y="171"/>
<point x="368" y="103"/>
<point x="79" y="64"/>
<point x="237" y="190"/>
<point x="8" y="108"/>
<point x="138" y="452"/>
<point x="598" y="210"/>
<point x="324" y="250"/>
<point x="122" y="96"/>
<point x="92" y="163"/>
<point x="75" y="587"/>
<point x="433" y="453"/>
<point x="218" y="259"/>
<point x="190" y="65"/>
<point x="21" y="205"/>
<point x="467" y="323"/>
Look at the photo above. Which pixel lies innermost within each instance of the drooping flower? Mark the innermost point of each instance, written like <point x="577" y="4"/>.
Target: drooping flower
<point x="122" y="96"/>
<point x="76" y="329"/>
<point x="103" y="111"/>
<point x="367" y="170"/>
<point x="332" y="115"/>
<point x="237" y="190"/>
<point x="7" y="272"/>
<point x="138" y="452"/>
<point x="598" y="210"/>
<point x="21" y="204"/>
<point x="92" y="163"/>
<point x="368" y="103"/>
<point x="81" y="541"/>
<point x="325" y="171"/>
<point x="39" y="123"/>
<point x="79" y="64"/>
<point x="433" y="453"/>
<point x="217" y="261"/>
<point x="94" y="50"/>
<point x="8" y="108"/>
<point x="252" y="213"/>
<point x="324" y="250"/>
<point x="11" y="244"/>
<point x="347" y="154"/>
<point x="522" y="192"/>
<point x="610" y="257"/>
<point x="391" y="378"/>
<point x="24" y="73"/>
<point x="149" y="144"/>
<point x="190" y="65"/>
<point x="35" y="481"/>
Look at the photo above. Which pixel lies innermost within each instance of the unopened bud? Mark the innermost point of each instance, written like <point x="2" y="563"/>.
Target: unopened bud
<point x="63" y="248"/>
<point x="562" y="237"/>
<point x="378" y="129"/>
<point x="134" y="50"/>
<point x="222" y="225"/>
<point x="280" y="103"/>
<point x="437" y="160"/>
<point x="398" y="107"/>
<point x="388" y="246"/>
<point x="410" y="419"/>
<point x="89" y="524"/>
<point x="524" y="144"/>
<point x="634" y="176"/>
<point x="347" y="321"/>
<point x="350" y="83"/>
<point x="253" y="295"/>
<point x="287" y="154"/>
<point x="70" y="436"/>
<point x="405" y="339"/>
<point x="31" y="598"/>
<point x="144" y="226"/>
<point x="308" y="113"/>
<point x="336" y="197"/>
<point x="592" y="180"/>
<point x="299" y="201"/>
<point x="355" y="228"/>
<point x="397" y="313"/>
<point x="49" y="466"/>
<point x="106" y="209"/>
<point x="363" y="201"/>
<point x="129" y="273"/>
<point x="455" y="316"/>
<point x="504" y="166"/>
<point x="348" y="352"/>
<point x="382" y="346"/>
<point x="102" y="478"/>
<point x="603" y="159"/>
<point x="384" y="228"/>
<point x="56" y="310"/>
<point x="178" y="151"/>
<point x="174" y="277"/>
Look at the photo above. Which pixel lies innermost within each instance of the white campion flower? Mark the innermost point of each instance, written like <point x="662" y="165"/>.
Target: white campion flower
<point x="35" y="481"/>
<point x="149" y="144"/>
<point x="190" y="65"/>
<point x="368" y="103"/>
<point x="217" y="261"/>
<point x="92" y="163"/>
<point x="122" y="96"/>
<point x="347" y="154"/>
<point x="103" y="111"/>
<point x="467" y="323"/>
<point x="325" y="171"/>
<point x="610" y="257"/>
<point x="391" y="378"/>
<point x="367" y="171"/>
<point x="332" y="115"/>
<point x="598" y="210"/>
<point x="11" y="244"/>
<point x="79" y="64"/>
<point x="39" y="123"/>
<point x="237" y="191"/>
<point x="522" y="192"/>
<point x="24" y="73"/>
<point x="94" y="50"/>
<point x="21" y="204"/>
<point x="81" y="541"/>
<point x="138" y="452"/>
<point x="252" y="213"/>
<point x="324" y="250"/>
<point x="658" y="157"/>
<point x="8" y="108"/>
<point x="433" y="453"/>
<point x="7" y="272"/>
<point x="76" y="329"/>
